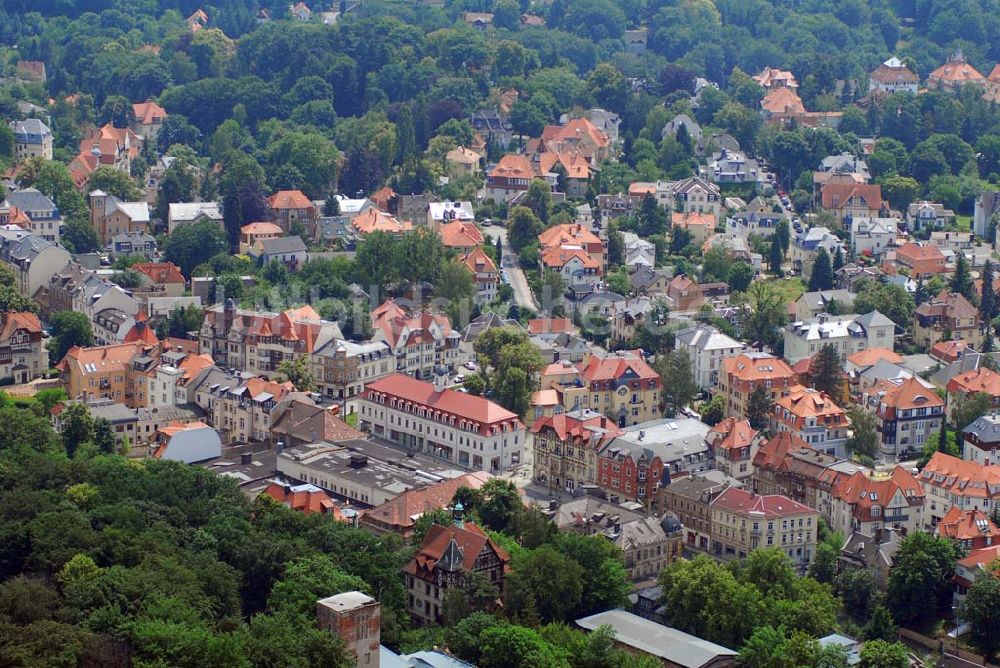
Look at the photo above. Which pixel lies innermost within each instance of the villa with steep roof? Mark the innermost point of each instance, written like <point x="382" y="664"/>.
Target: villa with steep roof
<point x="907" y="412"/>
<point x="871" y="500"/>
<point x="740" y="375"/>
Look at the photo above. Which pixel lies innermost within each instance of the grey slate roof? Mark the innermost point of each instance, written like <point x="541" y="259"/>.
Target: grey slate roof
<point x="30" y="199"/>
<point x="293" y="244"/>
<point x="986" y="429"/>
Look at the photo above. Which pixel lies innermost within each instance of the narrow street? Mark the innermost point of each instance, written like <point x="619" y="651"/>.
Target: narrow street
<point x="515" y="276"/>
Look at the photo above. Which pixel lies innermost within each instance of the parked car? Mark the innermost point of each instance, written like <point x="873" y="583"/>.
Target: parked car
<point x="470" y="365"/>
<point x="459" y="379"/>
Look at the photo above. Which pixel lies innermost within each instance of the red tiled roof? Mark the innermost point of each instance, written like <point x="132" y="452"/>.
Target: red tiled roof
<point x="402" y="511"/>
<point x="470" y="540"/>
<point x="804" y="402"/>
<point x="478" y="262"/>
<point x="911" y="394"/>
<point x="836" y="195"/>
<point x="732" y="434"/>
<point x="772" y="453"/>
<point x="752" y="369"/>
<point x="616" y="366"/>
<point x="514" y="167"/>
<point x="15" y="320"/>
<point x="913" y="251"/>
<point x="866" y="489"/>
<point x="557" y="257"/>
<point x="977" y="380"/>
<point x="961" y="477"/>
<point x="146" y="113"/>
<point x="306" y="501"/>
<point x="160" y="272"/>
<point x="783" y="101"/>
<point x="575" y="129"/>
<point x="374" y="220"/>
<point x="462" y="406"/>
<point x="956" y="71"/>
<point x="460" y="234"/>
<point x="260" y="228"/>
<point x="771" y="506"/>
<point x="102" y="358"/>
<point x="550" y="325"/>
<point x="569" y="427"/>
<point x="569" y="233"/>
<point x="289" y="199"/>
<point x="967" y="525"/>
<point x="870" y="356"/>
<point x="573" y="162"/>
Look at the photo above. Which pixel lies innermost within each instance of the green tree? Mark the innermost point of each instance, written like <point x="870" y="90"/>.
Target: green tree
<point x="892" y="301"/>
<point x="881" y="654"/>
<point x="987" y="298"/>
<point x="114" y="182"/>
<point x="510" y="646"/>
<point x="714" y="411"/>
<point x="822" y="272"/>
<point x="104" y="437"/>
<point x="827" y="372"/>
<point x="679" y="386"/>
<point x="546" y="579"/>
<point x="857" y="590"/>
<point x="776" y="257"/>
<point x="880" y="626"/>
<point x="979" y="611"/>
<point x="297" y="370"/>
<point x="759" y="407"/>
<point x="920" y="581"/>
<point x="900" y="191"/>
<point x="968" y="408"/>
<point x="524" y="227"/>
<point x="605" y="581"/>
<point x="308" y="579"/>
<point x="933" y="444"/>
<point x="864" y="435"/>
<point x="191" y="245"/>
<point x="77" y="427"/>
<point x="961" y="280"/>
<point x="68" y="329"/>
<point x="740" y="276"/>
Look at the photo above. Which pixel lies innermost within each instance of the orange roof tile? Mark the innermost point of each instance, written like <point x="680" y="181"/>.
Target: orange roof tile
<point x="967" y="525"/>
<point x="863" y="490"/>
<point x="558" y="257"/>
<point x="478" y="262"/>
<point x="732" y="434"/>
<point x="913" y="252"/>
<point x="616" y="366"/>
<point x="961" y="477"/>
<point x="374" y="220"/>
<point x="160" y="272"/>
<point x="513" y="166"/>
<point x="148" y="112"/>
<point x="956" y="71"/>
<point x="304" y="498"/>
<point x="17" y="320"/>
<point x="261" y="228"/>
<point x="693" y="219"/>
<point x="753" y="369"/>
<point x="569" y="233"/>
<point x="469" y="538"/>
<point x="805" y="402"/>
<point x="771" y="506"/>
<point x="402" y="512"/>
<point x="836" y="195"/>
<point x="574" y="130"/>
<point x="911" y="394"/>
<point x="870" y="356"/>
<point x="978" y="380"/>
<point x="289" y="199"/>
<point x="460" y="234"/>
<point x="550" y="325"/>
<point x="100" y="359"/>
<point x="783" y="101"/>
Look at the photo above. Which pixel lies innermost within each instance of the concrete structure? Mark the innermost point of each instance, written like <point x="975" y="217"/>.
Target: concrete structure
<point x="566" y="446"/>
<point x="186" y="442"/>
<point x="109" y="216"/>
<point x="469" y="431"/>
<point x="356" y="618"/>
<point x="690" y="498"/>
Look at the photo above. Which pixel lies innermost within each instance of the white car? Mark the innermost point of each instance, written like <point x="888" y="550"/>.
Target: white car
<point x="459" y="379"/>
<point x="471" y="366"/>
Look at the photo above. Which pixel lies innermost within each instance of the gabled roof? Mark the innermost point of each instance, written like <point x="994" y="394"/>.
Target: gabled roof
<point x="513" y="166"/>
<point x="441" y="542"/>
<point x="460" y="234"/>
<point x="894" y="71"/>
<point x="617" y="365"/>
<point x="836" y="195"/>
<point x="568" y="233"/>
<point x="958" y="476"/>
<point x="956" y="70"/>
<point x="306" y="499"/>
<point x="967" y="525"/>
<point x="448" y="401"/>
<point x="863" y="490"/>
<point x="782" y="101"/>
<point x="756" y="367"/>
<point x="160" y="272"/>
<point x="557" y="257"/>
<point x="478" y="262"/>
<point x="914" y="251"/>
<point x="870" y="356"/>
<point x="772" y="76"/>
<point x="550" y="325"/>
<point x="911" y="393"/>
<point x="146" y="113"/>
<point x="289" y="199"/>
<point x="803" y="402"/>
<point x="374" y="220"/>
<point x="582" y="426"/>
<point x="99" y="359"/>
<point x="462" y="155"/>
<point x="261" y="228"/>
<point x="732" y="434"/>
<point x="12" y="321"/>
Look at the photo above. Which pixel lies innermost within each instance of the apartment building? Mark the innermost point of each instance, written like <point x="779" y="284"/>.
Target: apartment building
<point x="706" y="347"/>
<point x="981" y="440"/>
<point x="951" y="482"/>
<point x="566" y="446"/>
<point x="908" y="411"/>
<point x="743" y="521"/>
<point x="848" y="334"/>
<point x="470" y="431"/>
<point x="742" y="374"/>
<point x="100" y="372"/>
<point x="734" y="443"/>
<point x="814" y="417"/>
<point x="421" y="341"/>
<point x="690" y="500"/>
<point x="241" y="411"/>
<point x="23" y="354"/>
<point x="623" y="386"/>
<point x="341" y="369"/>
<point x="869" y="501"/>
<point x="949" y="315"/>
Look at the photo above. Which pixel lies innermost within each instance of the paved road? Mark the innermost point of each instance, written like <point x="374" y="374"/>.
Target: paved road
<point x="516" y="277"/>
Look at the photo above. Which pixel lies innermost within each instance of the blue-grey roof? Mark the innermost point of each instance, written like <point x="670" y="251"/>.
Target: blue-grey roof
<point x="31" y="126"/>
<point x="293" y="244"/>
<point x="29" y="200"/>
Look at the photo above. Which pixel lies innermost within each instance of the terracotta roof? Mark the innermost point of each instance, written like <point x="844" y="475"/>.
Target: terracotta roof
<point x="961" y="477"/>
<point x="396" y="324"/>
<point x="967" y="525"/>
<point x="863" y="490"/>
<point x="141" y="332"/>
<point x="956" y="71"/>
<point x="771" y="506"/>
<point x="478" y="262"/>
<point x="289" y="199"/>
<point x="772" y="453"/>
<point x="641" y="189"/>
<point x="569" y="233"/>
<point x="160" y="272"/>
<point x="176" y="427"/>
<point x="680" y="283"/>
<point x="469" y="539"/>
<point x="514" y="167"/>
<point x="560" y="369"/>
<point x="460" y="234"/>
<point x="463" y="156"/>
<point x="550" y="325"/>
<point x="255" y="387"/>
<point x="770" y="76"/>
<point x="374" y="220"/>
<point x="752" y="369"/>
<point x="836" y="195"/>
<point x="913" y="252"/>
<point x="306" y="499"/>
<point x="911" y="394"/>
<point x="100" y="359"/>
<point x="299" y="324"/>
<point x="556" y="257"/>
<point x="111" y="142"/>
<point x="693" y="219"/>
<point x="889" y="74"/>
<point x="995" y="74"/>
<point x="462" y="406"/>
<point x="617" y="365"/>
<point x="185" y="345"/>
<point x="870" y="356"/>
<point x="261" y="228"/>
<point x="573" y="162"/>
<point x="732" y="434"/>
<point x="544" y="398"/>
<point x="804" y="402"/>
<point x="978" y="380"/>
<point x="574" y="130"/>
<point x="192" y="364"/>
<point x="146" y="113"/>
<point x="783" y="101"/>
<point x="579" y="429"/>
<point x="403" y="511"/>
<point x="13" y="321"/>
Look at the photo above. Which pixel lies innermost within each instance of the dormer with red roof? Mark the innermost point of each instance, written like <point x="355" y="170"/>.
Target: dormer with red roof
<point x="815" y="418"/>
<point x="743" y="521"/>
<point x="23" y="355"/>
<point x="857" y="200"/>
<point x="871" y="500"/>
<point x="953" y="482"/>
<point x="976" y="381"/>
<point x="955" y="74"/>
<point x="484" y="273"/>
<point x="447" y="558"/>
<point x="306" y="499"/>
<point x="164" y="277"/>
<point x="740" y="375"/>
<point x="907" y="413"/>
<point x="973" y="529"/>
<point x="461" y="236"/>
